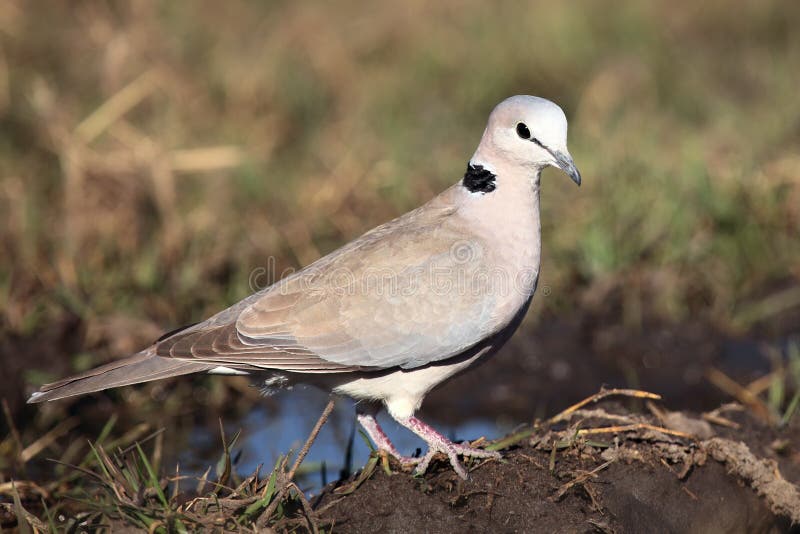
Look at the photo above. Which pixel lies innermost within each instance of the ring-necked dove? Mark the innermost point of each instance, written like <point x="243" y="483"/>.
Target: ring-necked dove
<point x="400" y="309"/>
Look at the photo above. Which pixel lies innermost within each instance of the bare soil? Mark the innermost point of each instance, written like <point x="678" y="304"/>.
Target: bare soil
<point x="563" y="360"/>
<point x="643" y="482"/>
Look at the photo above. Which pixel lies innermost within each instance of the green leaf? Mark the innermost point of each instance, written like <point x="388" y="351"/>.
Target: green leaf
<point x="269" y="492"/>
<point x="153" y="479"/>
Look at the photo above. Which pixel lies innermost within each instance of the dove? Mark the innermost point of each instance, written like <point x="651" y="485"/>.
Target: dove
<point x="397" y="311"/>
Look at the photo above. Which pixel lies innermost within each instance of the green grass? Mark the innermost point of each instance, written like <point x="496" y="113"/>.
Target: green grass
<point x="683" y="121"/>
<point x="335" y="118"/>
<point x="114" y="486"/>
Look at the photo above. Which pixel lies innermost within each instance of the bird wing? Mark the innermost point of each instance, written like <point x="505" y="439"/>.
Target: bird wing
<point x="408" y="293"/>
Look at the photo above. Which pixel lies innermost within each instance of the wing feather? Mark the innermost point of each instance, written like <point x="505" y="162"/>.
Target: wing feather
<point x="384" y="300"/>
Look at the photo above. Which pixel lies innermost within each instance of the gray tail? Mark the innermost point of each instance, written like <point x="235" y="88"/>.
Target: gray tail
<point x="142" y="367"/>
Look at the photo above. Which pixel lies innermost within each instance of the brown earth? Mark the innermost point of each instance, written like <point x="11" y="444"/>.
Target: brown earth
<point x="739" y="480"/>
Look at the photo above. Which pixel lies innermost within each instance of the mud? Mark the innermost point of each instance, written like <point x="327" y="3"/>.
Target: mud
<point x="560" y="361"/>
<point x="633" y="482"/>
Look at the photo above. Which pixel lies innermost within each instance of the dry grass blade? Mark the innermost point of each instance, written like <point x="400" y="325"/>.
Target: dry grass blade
<point x="29" y="452"/>
<point x="132" y="435"/>
<point x="311" y="517"/>
<point x="206" y="159"/>
<point x="269" y="491"/>
<point x="633" y="428"/>
<point x="763" y="383"/>
<point x="510" y="441"/>
<point x="26" y="486"/>
<point x="154" y="435"/>
<point x="311" y="437"/>
<point x="286" y="481"/>
<point x="602" y="394"/>
<point x="768" y="307"/>
<point x="740" y="393"/>
<point x="715" y="416"/>
<point x="203" y="481"/>
<point x="365" y="474"/>
<point x="224" y="466"/>
<point x="115" y="479"/>
<point x="599" y="413"/>
<point x="580" y="479"/>
<point x="23" y="521"/>
<point x="116" y="106"/>
<point x="11" y="426"/>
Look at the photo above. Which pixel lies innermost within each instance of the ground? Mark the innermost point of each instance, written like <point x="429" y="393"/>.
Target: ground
<point x="621" y="483"/>
<point x="598" y="467"/>
<point x="617" y="481"/>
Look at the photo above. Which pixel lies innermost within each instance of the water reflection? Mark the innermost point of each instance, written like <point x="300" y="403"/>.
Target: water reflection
<point x="266" y="434"/>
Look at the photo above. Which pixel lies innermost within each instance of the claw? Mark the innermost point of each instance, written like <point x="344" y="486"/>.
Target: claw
<point x="406" y="462"/>
<point x="452" y="451"/>
<point x="437" y="443"/>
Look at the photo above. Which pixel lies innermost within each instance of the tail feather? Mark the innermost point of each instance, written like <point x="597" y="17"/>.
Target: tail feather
<point x="142" y="367"/>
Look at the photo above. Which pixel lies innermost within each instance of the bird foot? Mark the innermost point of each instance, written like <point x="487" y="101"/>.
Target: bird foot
<point x="437" y="443"/>
<point x="452" y="451"/>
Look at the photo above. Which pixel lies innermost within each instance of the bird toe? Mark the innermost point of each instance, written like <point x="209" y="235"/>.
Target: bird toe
<point x="452" y="451"/>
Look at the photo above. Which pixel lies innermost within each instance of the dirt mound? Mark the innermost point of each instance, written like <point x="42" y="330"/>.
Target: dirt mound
<point x="740" y="478"/>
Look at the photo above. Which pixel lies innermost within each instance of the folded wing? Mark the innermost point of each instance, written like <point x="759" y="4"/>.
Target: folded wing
<point x="406" y="294"/>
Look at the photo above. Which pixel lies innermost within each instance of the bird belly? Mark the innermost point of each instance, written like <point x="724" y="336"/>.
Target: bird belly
<point x="403" y="390"/>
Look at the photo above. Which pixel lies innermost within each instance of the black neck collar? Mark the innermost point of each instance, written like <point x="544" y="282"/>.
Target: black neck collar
<point x="479" y="180"/>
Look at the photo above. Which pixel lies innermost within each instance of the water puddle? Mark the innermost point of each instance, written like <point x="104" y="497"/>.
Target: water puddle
<point x="268" y="433"/>
<point x="531" y="378"/>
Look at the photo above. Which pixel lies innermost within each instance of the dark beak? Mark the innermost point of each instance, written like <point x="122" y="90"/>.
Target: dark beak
<point x="566" y="164"/>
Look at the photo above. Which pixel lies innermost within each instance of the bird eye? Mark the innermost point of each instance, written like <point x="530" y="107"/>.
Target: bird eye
<point x="523" y="131"/>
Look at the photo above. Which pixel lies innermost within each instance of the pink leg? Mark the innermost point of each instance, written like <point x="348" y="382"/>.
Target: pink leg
<point x="381" y="440"/>
<point x="438" y="443"/>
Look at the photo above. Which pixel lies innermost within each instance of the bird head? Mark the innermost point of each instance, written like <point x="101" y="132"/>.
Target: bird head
<point x="527" y="131"/>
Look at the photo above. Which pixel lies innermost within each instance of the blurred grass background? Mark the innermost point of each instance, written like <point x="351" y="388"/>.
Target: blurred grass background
<point x="154" y="154"/>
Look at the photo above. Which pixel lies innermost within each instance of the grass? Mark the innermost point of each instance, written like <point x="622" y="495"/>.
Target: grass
<point x="150" y="178"/>
<point x="107" y="490"/>
<point x="118" y="483"/>
<point x="159" y="159"/>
